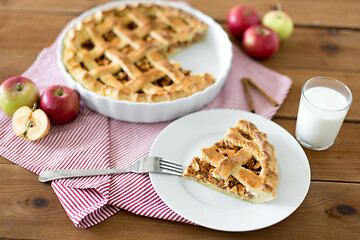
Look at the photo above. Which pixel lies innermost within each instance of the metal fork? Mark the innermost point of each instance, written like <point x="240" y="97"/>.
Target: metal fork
<point x="143" y="165"/>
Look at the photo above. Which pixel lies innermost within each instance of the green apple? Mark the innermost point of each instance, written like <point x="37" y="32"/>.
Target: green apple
<point x="280" y="22"/>
<point x="16" y="92"/>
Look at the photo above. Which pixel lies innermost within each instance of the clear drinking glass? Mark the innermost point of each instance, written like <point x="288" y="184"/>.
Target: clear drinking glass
<point x="324" y="103"/>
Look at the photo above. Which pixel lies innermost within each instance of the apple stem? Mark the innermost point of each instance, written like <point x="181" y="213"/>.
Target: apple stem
<point x="61" y="91"/>
<point x="24" y="134"/>
<point x="34" y="107"/>
<point x="248" y="13"/>
<point x="18" y="87"/>
<point x="262" y="31"/>
<point x="278" y="6"/>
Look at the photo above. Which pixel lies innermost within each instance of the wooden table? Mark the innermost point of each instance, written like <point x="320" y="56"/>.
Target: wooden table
<point x="326" y="42"/>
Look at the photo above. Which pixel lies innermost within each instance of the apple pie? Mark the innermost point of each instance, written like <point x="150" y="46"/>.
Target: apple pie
<point x="242" y="165"/>
<point x="122" y="53"/>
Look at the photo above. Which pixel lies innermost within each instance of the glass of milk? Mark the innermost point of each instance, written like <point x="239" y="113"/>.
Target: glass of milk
<point x="324" y="103"/>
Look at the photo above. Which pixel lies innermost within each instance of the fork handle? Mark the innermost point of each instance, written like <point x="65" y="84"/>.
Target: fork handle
<point x="50" y="175"/>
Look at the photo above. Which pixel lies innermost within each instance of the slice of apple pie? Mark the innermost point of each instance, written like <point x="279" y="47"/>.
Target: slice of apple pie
<point x="242" y="165"/>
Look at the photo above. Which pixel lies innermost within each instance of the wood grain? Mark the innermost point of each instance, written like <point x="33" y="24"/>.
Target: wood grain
<point x="325" y="42"/>
<point x="43" y="217"/>
<point x="321" y="49"/>
<point x="334" y="164"/>
<point x="14" y="64"/>
<point x="318" y="49"/>
<point x="18" y="29"/>
<point x="299" y="77"/>
<point x="304" y="13"/>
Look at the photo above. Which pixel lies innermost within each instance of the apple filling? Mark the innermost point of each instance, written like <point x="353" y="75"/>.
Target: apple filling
<point x="88" y="45"/>
<point x="163" y="82"/>
<point x="228" y="149"/>
<point x="131" y="26"/>
<point x="144" y="64"/>
<point x="201" y="170"/>
<point x="149" y="38"/>
<point x="169" y="29"/>
<point x="102" y="60"/>
<point x="122" y="76"/>
<point x="109" y="36"/>
<point x="126" y="50"/>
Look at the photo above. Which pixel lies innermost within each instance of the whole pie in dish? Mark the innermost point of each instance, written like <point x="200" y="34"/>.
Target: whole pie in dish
<point x="242" y="165"/>
<point x="122" y="53"/>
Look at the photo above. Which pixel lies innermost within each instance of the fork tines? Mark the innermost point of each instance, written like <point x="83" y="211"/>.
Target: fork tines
<point x="171" y="167"/>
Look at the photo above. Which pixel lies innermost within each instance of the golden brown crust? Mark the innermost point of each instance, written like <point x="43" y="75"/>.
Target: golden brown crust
<point x="103" y="50"/>
<point x="245" y="159"/>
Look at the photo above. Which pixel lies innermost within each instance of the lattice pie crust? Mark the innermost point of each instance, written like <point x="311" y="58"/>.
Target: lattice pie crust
<point x="122" y="53"/>
<point x="242" y="165"/>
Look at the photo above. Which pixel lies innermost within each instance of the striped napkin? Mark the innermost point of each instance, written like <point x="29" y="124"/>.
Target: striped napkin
<point x="95" y="141"/>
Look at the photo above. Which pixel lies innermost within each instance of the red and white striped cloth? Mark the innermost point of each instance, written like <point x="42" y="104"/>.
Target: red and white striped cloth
<point x="95" y="141"/>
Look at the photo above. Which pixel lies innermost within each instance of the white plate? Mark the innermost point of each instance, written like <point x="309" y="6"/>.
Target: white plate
<point x="182" y="140"/>
<point x="213" y="55"/>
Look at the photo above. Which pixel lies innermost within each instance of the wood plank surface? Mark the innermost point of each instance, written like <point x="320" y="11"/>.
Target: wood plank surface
<point x="300" y="76"/>
<point x="314" y="48"/>
<point x="335" y="164"/>
<point x="322" y="49"/>
<point x="306" y="12"/>
<point x="14" y="64"/>
<point x="18" y="29"/>
<point x="325" y="42"/>
<point x="325" y="213"/>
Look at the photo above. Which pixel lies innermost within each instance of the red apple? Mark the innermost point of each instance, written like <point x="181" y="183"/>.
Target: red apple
<point x="16" y="92"/>
<point x="260" y="42"/>
<point x="240" y="18"/>
<point x="60" y="103"/>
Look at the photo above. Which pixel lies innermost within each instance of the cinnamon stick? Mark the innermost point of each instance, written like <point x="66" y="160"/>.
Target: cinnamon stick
<point x="248" y="95"/>
<point x="270" y="99"/>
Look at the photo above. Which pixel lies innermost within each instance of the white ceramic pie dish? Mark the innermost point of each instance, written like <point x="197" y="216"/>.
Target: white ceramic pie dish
<point x="213" y="55"/>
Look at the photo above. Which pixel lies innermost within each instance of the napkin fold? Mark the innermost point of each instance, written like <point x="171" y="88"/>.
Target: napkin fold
<point x="95" y="141"/>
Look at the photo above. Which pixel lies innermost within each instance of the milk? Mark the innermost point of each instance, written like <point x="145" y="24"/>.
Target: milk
<point x="321" y="113"/>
